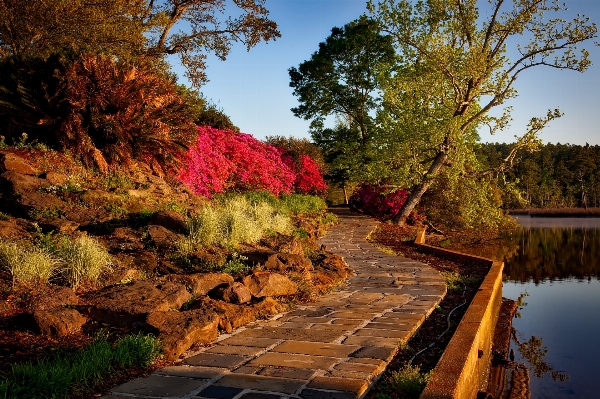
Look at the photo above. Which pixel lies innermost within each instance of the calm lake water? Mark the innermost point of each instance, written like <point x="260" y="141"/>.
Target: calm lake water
<point x="553" y="266"/>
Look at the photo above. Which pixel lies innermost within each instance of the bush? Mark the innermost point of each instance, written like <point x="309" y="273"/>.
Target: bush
<point x="231" y="221"/>
<point x="299" y="204"/>
<point x="27" y="263"/>
<point x="55" y="378"/>
<point x="407" y="382"/>
<point x="83" y="258"/>
<point x="100" y="109"/>
<point x="377" y="202"/>
<point x="222" y="160"/>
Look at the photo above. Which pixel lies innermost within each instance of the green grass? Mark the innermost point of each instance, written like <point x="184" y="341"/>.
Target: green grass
<point x="230" y="221"/>
<point x="83" y="258"/>
<point x="456" y="282"/>
<point x="55" y="378"/>
<point x="27" y="263"/>
<point x="407" y="382"/>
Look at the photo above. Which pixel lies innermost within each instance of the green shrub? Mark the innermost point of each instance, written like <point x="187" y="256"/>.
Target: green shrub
<point x="56" y="377"/>
<point x="27" y="263"/>
<point x="299" y="204"/>
<point x="83" y="258"/>
<point x="230" y="221"/>
<point x="407" y="382"/>
<point x="235" y="265"/>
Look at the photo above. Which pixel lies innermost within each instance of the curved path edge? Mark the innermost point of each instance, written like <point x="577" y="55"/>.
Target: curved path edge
<point x="335" y="348"/>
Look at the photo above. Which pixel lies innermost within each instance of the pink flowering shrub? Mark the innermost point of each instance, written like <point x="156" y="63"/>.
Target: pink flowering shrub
<point x="222" y="160"/>
<point x="309" y="178"/>
<point x="373" y="201"/>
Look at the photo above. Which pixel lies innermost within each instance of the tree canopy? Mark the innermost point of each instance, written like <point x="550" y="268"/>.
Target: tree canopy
<point x="145" y="30"/>
<point x="454" y="68"/>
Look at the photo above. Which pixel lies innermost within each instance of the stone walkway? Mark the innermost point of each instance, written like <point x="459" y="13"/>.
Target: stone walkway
<point x="335" y="348"/>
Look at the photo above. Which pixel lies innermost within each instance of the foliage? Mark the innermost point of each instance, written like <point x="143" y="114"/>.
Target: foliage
<point x="555" y="176"/>
<point x="25" y="263"/>
<point x="204" y="112"/>
<point x="381" y="203"/>
<point x="232" y="221"/>
<point x="102" y="110"/>
<point x="144" y="30"/>
<point x="294" y="147"/>
<point x="308" y="178"/>
<point x="42" y="27"/>
<point x="340" y="78"/>
<point x="457" y="282"/>
<point x="407" y="382"/>
<point x="83" y="258"/>
<point x="223" y="160"/>
<point x="235" y="265"/>
<point x="301" y="204"/>
<point x="57" y="376"/>
<point x="453" y="70"/>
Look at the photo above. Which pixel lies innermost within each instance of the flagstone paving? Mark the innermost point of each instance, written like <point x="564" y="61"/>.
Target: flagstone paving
<point x="332" y="349"/>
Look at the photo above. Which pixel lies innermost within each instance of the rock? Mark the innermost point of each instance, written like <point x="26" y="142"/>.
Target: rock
<point x="202" y="283"/>
<point x="123" y="305"/>
<point x="258" y="256"/>
<point x="171" y="220"/>
<point x="268" y="307"/>
<point x="178" y="331"/>
<point x="55" y="178"/>
<point x="14" y="163"/>
<point x="236" y="315"/>
<point x="57" y="322"/>
<point x="292" y="246"/>
<point x="334" y="263"/>
<point x="58" y="225"/>
<point x="99" y="197"/>
<point x="17" y="183"/>
<point x="142" y="260"/>
<point x="15" y="228"/>
<point x="233" y="293"/>
<point x="263" y="284"/>
<point x="40" y="204"/>
<point x="54" y="296"/>
<point x="87" y="216"/>
<point x="288" y="262"/>
<point x="162" y="237"/>
<point x="124" y="239"/>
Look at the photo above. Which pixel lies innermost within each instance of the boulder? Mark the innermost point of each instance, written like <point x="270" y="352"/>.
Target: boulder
<point x="232" y="316"/>
<point x="124" y="305"/>
<point x="178" y="331"/>
<point x="15" y="228"/>
<point x="202" y="283"/>
<point x="263" y="284"/>
<point x="145" y="261"/>
<point x="288" y="262"/>
<point x="54" y="296"/>
<point x="44" y="204"/>
<point x="55" y="178"/>
<point x="171" y="220"/>
<point x="258" y="256"/>
<point x="18" y="183"/>
<point x="57" y="322"/>
<point x="334" y="263"/>
<point x="268" y="307"/>
<point x="233" y="293"/>
<point x="58" y="225"/>
<point x="162" y="237"/>
<point x="99" y="197"/>
<point x="124" y="239"/>
<point x="14" y="163"/>
<point x="87" y="216"/>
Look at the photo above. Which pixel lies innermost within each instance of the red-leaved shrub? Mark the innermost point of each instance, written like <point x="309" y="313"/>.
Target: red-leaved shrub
<point x="374" y="201"/>
<point x="222" y="160"/>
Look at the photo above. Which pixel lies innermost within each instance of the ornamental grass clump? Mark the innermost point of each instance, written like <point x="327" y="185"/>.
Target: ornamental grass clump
<point x="231" y="221"/>
<point x="84" y="258"/>
<point x="27" y="263"/>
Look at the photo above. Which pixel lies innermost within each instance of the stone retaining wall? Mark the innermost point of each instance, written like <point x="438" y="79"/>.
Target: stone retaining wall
<point x="463" y="369"/>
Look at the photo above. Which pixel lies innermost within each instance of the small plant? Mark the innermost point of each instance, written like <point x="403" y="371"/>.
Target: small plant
<point x="44" y="213"/>
<point x="83" y="258"/>
<point x="27" y="263"/>
<point x="4" y="216"/>
<point x="407" y="382"/>
<point x="56" y="377"/>
<point x="456" y="282"/>
<point x="236" y="264"/>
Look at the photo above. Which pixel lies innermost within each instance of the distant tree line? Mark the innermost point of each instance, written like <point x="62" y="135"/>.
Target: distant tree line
<point x="555" y="176"/>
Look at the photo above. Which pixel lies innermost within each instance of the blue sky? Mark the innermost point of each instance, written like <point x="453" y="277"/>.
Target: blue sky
<point x="253" y="87"/>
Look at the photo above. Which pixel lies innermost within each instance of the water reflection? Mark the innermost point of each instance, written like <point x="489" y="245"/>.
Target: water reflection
<point x="557" y="269"/>
<point x="553" y="254"/>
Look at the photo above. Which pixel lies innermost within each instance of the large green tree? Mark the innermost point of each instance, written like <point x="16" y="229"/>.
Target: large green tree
<point x="454" y="69"/>
<point x="146" y="30"/>
<point x="341" y="77"/>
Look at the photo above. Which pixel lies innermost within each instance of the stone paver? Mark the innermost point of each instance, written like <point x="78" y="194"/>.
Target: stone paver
<point x="332" y="349"/>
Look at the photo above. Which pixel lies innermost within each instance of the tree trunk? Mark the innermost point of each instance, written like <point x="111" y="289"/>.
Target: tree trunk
<point x="345" y="193"/>
<point x="417" y="192"/>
